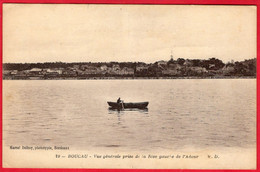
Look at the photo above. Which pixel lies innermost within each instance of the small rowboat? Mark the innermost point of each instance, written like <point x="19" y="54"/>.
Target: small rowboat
<point x="122" y="105"/>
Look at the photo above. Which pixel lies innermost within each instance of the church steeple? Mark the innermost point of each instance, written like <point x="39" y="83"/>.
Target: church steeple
<point x="171" y="55"/>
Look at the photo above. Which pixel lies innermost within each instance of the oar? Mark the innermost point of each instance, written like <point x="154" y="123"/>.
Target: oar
<point x="122" y="105"/>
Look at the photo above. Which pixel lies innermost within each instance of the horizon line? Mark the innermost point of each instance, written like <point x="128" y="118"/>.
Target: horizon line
<point x="124" y="61"/>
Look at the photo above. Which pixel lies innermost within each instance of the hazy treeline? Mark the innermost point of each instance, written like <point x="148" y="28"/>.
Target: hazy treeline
<point x="176" y="68"/>
<point x="52" y="65"/>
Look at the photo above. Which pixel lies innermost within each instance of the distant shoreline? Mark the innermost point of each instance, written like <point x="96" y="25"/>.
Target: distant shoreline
<point x="212" y="68"/>
<point x="130" y="78"/>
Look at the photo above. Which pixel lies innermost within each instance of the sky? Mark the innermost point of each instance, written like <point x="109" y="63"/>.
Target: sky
<point x="126" y="33"/>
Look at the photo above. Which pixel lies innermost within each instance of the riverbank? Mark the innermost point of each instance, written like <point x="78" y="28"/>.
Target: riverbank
<point x="127" y="78"/>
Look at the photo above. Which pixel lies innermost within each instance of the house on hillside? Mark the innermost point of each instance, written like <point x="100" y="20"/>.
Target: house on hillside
<point x="228" y="70"/>
<point x="58" y="71"/>
<point x="169" y="72"/>
<point x="199" y="70"/>
<point x="76" y="66"/>
<point x="83" y="67"/>
<point x="172" y="70"/>
<point x="7" y="72"/>
<point x="116" y="67"/>
<point x="127" y="71"/>
<point x="212" y="66"/>
<point x="188" y="63"/>
<point x="21" y="74"/>
<point x="14" y="72"/>
<point x="90" y="70"/>
<point x="70" y="69"/>
<point x="174" y="66"/>
<point x="103" y="67"/>
<point x="162" y="62"/>
<point x="53" y="72"/>
<point x="35" y="71"/>
<point x="140" y="68"/>
<point x="69" y="72"/>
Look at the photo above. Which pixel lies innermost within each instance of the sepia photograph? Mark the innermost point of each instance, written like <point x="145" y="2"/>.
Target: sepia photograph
<point x="129" y="86"/>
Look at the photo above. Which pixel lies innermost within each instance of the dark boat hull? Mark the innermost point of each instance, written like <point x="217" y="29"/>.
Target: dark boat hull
<point x="139" y="105"/>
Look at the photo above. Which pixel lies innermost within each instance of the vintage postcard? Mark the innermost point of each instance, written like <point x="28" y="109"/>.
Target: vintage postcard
<point x="129" y="86"/>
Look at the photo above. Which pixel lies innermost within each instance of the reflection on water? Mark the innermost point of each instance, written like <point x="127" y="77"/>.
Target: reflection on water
<point x="120" y="112"/>
<point x="130" y="109"/>
<point x="198" y="113"/>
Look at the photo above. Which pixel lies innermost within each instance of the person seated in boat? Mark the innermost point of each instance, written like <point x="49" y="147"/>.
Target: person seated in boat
<point x="118" y="100"/>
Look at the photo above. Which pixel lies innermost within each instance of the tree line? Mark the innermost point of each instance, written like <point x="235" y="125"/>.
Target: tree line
<point x="184" y="67"/>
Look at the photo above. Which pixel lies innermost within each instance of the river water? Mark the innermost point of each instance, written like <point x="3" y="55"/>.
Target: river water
<point x="198" y="113"/>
